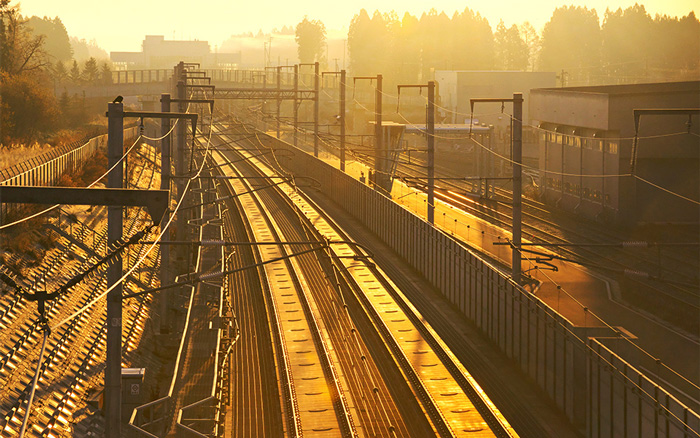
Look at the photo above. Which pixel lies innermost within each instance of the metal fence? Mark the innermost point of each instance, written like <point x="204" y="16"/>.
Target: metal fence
<point x="46" y="169"/>
<point x="597" y="390"/>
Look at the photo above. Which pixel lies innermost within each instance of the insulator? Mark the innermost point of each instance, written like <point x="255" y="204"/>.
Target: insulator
<point x="212" y="275"/>
<point x="635" y="244"/>
<point x="633" y="273"/>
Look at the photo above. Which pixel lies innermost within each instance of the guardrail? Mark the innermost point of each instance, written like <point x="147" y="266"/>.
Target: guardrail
<point x="152" y="419"/>
<point x="597" y="390"/>
<point x="205" y="413"/>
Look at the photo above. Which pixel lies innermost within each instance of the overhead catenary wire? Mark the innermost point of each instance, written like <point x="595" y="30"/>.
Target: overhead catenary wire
<point x="553" y="172"/>
<point x="123" y="157"/>
<point x="601" y="320"/>
<point x="525" y="166"/>
<point x="613" y="367"/>
<point x="150" y="248"/>
<point x="304" y="223"/>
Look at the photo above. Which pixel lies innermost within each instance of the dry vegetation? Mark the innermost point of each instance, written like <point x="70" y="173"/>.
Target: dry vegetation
<point x="28" y="241"/>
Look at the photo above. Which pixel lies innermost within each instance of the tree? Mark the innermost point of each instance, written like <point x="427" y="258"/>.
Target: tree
<point x="675" y="47"/>
<point x="28" y="108"/>
<point x="571" y="41"/>
<point x="21" y="51"/>
<point x="511" y="50"/>
<point x="406" y="50"/>
<point x="56" y="43"/>
<point x="83" y="49"/>
<point x="360" y="46"/>
<point x="473" y="42"/>
<point x="75" y="73"/>
<point x="311" y="40"/>
<point x="90" y="71"/>
<point x="533" y="42"/>
<point x="626" y="38"/>
<point x="59" y="72"/>
<point x="106" y="74"/>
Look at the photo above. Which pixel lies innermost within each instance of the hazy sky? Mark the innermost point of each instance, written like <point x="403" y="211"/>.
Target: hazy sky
<point x="121" y="25"/>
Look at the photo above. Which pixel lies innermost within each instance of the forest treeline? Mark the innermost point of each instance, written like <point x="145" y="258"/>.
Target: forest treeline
<point x="629" y="45"/>
<point x="36" y="59"/>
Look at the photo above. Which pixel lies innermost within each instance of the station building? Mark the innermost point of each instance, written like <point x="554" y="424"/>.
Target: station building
<point x="586" y="137"/>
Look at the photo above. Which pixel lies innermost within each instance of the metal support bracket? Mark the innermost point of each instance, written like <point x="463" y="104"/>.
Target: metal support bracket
<point x="156" y="201"/>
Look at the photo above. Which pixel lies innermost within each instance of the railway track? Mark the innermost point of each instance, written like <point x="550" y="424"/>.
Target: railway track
<point x="359" y="311"/>
<point x="313" y="402"/>
<point x="678" y="278"/>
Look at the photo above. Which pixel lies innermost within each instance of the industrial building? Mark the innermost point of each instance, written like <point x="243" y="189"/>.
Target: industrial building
<point x="159" y="53"/>
<point x="586" y="136"/>
<point x="457" y="87"/>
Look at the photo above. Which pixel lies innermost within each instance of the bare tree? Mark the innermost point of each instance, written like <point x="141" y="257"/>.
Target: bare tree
<point x="22" y="51"/>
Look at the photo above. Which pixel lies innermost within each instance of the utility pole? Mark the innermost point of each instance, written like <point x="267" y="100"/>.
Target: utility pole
<point x="113" y="369"/>
<point x="316" y="101"/>
<point x="517" y="183"/>
<point x="517" y="158"/>
<point x="430" y="133"/>
<point x="342" y="119"/>
<point x="316" y="106"/>
<point x="431" y="151"/>
<point x="180" y="170"/>
<point x="279" y="101"/>
<point x="115" y="152"/>
<point x="341" y="115"/>
<point x="296" y="104"/>
<point x="378" y="141"/>
<point x="165" y="185"/>
<point x="378" y="131"/>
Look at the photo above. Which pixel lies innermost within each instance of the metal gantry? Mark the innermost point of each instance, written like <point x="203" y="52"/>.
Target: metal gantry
<point x="517" y="161"/>
<point x="341" y="114"/>
<point x="378" y="140"/>
<point x="430" y="134"/>
<point x="115" y="178"/>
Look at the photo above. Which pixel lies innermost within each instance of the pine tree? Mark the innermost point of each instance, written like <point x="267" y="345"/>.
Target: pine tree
<point x="75" y="73"/>
<point x="106" y="74"/>
<point x="59" y="72"/>
<point x="90" y="72"/>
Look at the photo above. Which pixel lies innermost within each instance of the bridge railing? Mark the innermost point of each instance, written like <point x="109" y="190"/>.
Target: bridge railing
<point x="577" y="367"/>
<point x="268" y="78"/>
<point x="198" y="419"/>
<point x="141" y="76"/>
